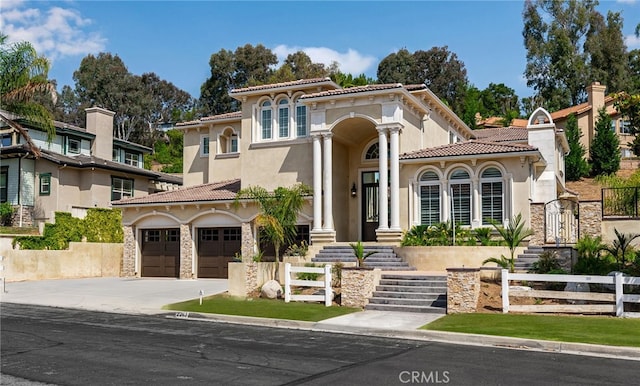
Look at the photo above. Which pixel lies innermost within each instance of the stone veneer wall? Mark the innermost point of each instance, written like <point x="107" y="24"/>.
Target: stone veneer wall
<point x="251" y="277"/>
<point x="27" y="216"/>
<point x="590" y="218"/>
<point x="537" y="224"/>
<point x="246" y="248"/>
<point x="358" y="285"/>
<point x="463" y="290"/>
<point x="129" y="254"/>
<point x="186" y="252"/>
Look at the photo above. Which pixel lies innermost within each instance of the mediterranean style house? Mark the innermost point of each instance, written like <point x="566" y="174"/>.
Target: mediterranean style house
<point x="380" y="159"/>
<point x="77" y="169"/>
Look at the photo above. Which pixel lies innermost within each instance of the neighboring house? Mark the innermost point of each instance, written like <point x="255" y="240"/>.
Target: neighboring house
<point x="78" y="169"/>
<point x="345" y="144"/>
<point x="587" y="115"/>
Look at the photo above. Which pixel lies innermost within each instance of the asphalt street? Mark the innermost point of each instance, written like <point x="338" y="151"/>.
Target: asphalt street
<point x="79" y="347"/>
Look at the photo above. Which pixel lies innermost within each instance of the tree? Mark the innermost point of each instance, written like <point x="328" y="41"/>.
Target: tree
<point x="604" y="152"/>
<point x="620" y="245"/>
<point x="569" y="45"/>
<point x="24" y="79"/>
<point x="499" y="101"/>
<point x="513" y="234"/>
<point x="347" y="80"/>
<point x="278" y="212"/>
<point x="397" y="68"/>
<point x="473" y="106"/>
<point x="628" y="106"/>
<point x="576" y="165"/>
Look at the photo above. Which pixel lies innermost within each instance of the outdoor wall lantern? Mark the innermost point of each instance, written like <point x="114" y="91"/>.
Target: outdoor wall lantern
<point x="354" y="190"/>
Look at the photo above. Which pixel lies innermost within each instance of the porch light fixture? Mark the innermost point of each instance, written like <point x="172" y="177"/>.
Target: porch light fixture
<point x="354" y="190"/>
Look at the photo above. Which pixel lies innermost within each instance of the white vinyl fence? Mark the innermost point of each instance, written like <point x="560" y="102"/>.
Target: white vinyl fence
<point x="613" y="302"/>
<point x="327" y="297"/>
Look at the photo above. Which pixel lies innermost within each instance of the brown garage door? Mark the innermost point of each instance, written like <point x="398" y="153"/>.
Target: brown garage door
<point x="160" y="252"/>
<point x="216" y="248"/>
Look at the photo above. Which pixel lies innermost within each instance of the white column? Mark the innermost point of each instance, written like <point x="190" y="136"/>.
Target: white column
<point x="445" y="215"/>
<point x="328" y="187"/>
<point x="476" y="218"/>
<point x="383" y="215"/>
<point x="317" y="183"/>
<point x="395" y="177"/>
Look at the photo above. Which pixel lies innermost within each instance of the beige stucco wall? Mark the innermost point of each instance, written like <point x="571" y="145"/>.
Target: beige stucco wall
<point x="80" y="260"/>
<point x="195" y="168"/>
<point x="623" y="226"/>
<point x="441" y="258"/>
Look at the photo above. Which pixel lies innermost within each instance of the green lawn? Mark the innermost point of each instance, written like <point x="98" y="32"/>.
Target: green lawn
<point x="264" y="308"/>
<point x="584" y="329"/>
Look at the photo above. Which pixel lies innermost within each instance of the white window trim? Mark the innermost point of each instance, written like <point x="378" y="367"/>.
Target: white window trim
<point x="204" y="137"/>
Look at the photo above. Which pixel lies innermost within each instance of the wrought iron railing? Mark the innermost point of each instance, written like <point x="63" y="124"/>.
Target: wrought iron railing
<point x="621" y="202"/>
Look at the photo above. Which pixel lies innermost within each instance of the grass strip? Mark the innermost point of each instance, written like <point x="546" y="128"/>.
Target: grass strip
<point x="264" y="308"/>
<point x="581" y="329"/>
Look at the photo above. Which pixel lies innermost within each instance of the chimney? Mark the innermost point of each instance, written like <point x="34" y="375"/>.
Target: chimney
<point x="595" y="98"/>
<point x="100" y="123"/>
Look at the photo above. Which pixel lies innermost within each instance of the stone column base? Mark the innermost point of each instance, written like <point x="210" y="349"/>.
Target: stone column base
<point x="388" y="235"/>
<point x="322" y="237"/>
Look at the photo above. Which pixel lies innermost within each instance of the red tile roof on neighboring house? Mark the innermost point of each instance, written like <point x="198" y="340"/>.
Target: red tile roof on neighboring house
<point x="219" y="117"/>
<point x="280" y="85"/>
<point x="216" y="191"/>
<point x="502" y="134"/>
<point x="577" y="109"/>
<point x="469" y="148"/>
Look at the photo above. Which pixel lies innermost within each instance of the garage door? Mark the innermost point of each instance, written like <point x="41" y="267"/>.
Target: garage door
<point x="216" y="248"/>
<point x="160" y="252"/>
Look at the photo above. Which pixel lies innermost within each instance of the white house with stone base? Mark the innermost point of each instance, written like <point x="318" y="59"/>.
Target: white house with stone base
<point x="380" y="159"/>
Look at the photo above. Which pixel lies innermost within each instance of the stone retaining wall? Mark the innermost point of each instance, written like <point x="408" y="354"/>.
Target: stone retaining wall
<point x="358" y="285"/>
<point x="463" y="290"/>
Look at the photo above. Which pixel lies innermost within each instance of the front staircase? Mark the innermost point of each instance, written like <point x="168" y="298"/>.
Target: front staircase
<point x="384" y="257"/>
<point x="524" y="261"/>
<point x="410" y="292"/>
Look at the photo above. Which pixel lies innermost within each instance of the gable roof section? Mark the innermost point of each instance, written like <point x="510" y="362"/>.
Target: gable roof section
<point x="502" y="134"/>
<point x="577" y="109"/>
<point x="233" y="116"/>
<point x="216" y="191"/>
<point x="469" y="148"/>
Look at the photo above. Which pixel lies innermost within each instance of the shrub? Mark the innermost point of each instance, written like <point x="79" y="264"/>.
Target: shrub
<point x="6" y="211"/>
<point x="440" y="234"/>
<point x="297" y="250"/>
<point x="547" y="263"/>
<point x="308" y="275"/>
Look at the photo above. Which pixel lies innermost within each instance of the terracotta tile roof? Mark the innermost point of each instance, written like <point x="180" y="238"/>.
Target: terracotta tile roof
<point x="280" y="85"/>
<point x="354" y="90"/>
<point x="502" y="134"/>
<point x="219" y="117"/>
<point x="468" y="148"/>
<point x="577" y="109"/>
<point x="216" y="191"/>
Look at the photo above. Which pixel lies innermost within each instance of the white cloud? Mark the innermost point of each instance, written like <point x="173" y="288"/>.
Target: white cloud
<point x="55" y="32"/>
<point x="350" y="62"/>
<point x="632" y="41"/>
<point x="626" y="1"/>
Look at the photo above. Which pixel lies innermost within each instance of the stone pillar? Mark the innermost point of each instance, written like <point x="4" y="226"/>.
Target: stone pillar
<point x="129" y="254"/>
<point x="186" y="252"/>
<point x="537" y="224"/>
<point x="246" y="249"/>
<point x="383" y="166"/>
<point x="590" y="218"/>
<point x="328" y="183"/>
<point x="358" y="285"/>
<point x="317" y="183"/>
<point x="395" y="178"/>
<point x="463" y="290"/>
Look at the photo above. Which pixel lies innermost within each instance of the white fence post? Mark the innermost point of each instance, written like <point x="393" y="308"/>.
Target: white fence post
<point x="505" y="291"/>
<point x="619" y="294"/>
<point x="287" y="282"/>
<point x="328" y="292"/>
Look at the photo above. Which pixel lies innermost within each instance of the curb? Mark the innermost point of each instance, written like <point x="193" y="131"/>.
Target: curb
<point x="617" y="352"/>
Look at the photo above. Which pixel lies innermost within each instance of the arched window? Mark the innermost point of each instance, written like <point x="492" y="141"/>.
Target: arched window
<point x="373" y="152"/>
<point x="283" y="118"/>
<point x="460" y="190"/>
<point x="301" y="120"/>
<point x="228" y="141"/>
<point x="429" y="198"/>
<point x="266" y="120"/>
<point x="491" y="190"/>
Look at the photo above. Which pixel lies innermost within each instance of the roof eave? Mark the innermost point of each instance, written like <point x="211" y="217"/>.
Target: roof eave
<point x="478" y="156"/>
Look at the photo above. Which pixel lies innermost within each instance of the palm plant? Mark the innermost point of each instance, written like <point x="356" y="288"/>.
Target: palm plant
<point x="361" y="255"/>
<point x="23" y="78"/>
<point x="513" y="234"/>
<point x="620" y="246"/>
<point x="278" y="213"/>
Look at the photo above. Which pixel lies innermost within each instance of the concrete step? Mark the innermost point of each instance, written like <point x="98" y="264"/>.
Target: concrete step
<point x="409" y="295"/>
<point x="418" y="282"/>
<point x="411" y="288"/>
<point x="408" y="302"/>
<point x="442" y="278"/>
<point x="399" y="308"/>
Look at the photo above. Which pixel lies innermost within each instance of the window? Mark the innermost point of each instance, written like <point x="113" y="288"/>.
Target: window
<point x="4" y="180"/>
<point x="613" y="125"/>
<point x="5" y="140"/>
<point x="301" y="120"/>
<point x="283" y="118"/>
<point x="233" y="144"/>
<point x="204" y="146"/>
<point x="132" y="159"/>
<point x="453" y="138"/>
<point x="73" y="146"/>
<point x="373" y="152"/>
<point x="429" y="198"/>
<point x="265" y="120"/>
<point x="492" y="196"/>
<point x="151" y="236"/>
<point x="625" y="126"/>
<point x="115" y="155"/>
<point x="45" y="184"/>
<point x="460" y="188"/>
<point x="121" y="188"/>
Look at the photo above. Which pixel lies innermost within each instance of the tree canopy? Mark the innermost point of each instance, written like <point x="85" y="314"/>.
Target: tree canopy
<point x="605" y="148"/>
<point x="576" y="165"/>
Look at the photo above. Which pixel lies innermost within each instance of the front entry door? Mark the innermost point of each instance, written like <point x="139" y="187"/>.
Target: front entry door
<point x="370" y="181"/>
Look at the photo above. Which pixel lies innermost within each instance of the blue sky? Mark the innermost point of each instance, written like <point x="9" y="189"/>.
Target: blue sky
<point x="175" y="39"/>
